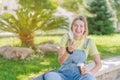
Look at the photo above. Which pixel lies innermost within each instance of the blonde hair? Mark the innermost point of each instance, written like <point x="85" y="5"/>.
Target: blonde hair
<point x="82" y="18"/>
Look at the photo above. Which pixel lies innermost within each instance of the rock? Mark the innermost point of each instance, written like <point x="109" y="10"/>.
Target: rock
<point x="48" y="47"/>
<point x="10" y="52"/>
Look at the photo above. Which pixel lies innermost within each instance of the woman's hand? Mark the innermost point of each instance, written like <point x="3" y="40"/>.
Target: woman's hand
<point x="84" y="71"/>
<point x="71" y="46"/>
<point x="63" y="55"/>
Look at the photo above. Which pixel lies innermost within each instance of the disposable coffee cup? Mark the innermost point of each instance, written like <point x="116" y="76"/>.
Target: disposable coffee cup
<point x="70" y="36"/>
<point x="80" y="67"/>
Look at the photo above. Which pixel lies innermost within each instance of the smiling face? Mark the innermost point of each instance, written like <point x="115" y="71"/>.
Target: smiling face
<point x="78" y="28"/>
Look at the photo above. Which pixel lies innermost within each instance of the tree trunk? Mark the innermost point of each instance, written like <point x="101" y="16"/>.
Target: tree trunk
<point x="27" y="39"/>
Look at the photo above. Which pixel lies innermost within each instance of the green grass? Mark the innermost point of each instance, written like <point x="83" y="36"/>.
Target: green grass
<point x="26" y="69"/>
<point x="108" y="46"/>
<point x="13" y="41"/>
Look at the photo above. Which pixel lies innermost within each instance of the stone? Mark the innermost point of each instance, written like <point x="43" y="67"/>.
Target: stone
<point x="110" y="69"/>
<point x="10" y="52"/>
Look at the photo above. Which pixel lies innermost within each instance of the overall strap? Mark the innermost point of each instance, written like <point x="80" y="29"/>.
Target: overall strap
<point x="86" y="43"/>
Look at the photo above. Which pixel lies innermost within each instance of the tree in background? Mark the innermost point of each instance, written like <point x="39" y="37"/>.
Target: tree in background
<point x="76" y="6"/>
<point x="33" y="16"/>
<point x="116" y="6"/>
<point x="73" y="5"/>
<point x="100" y="22"/>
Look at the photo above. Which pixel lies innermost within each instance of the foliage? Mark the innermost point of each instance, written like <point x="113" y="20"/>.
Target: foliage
<point x="30" y="19"/>
<point x="101" y="21"/>
<point x="38" y="5"/>
<point x="116" y="6"/>
<point x="72" y="5"/>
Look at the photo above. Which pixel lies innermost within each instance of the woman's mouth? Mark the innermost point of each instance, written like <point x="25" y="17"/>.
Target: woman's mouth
<point x="78" y="31"/>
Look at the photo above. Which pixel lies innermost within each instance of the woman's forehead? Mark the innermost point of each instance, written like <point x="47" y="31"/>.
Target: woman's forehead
<point x="79" y="22"/>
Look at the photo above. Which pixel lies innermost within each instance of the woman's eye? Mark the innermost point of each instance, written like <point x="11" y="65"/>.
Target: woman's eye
<point x="76" y="25"/>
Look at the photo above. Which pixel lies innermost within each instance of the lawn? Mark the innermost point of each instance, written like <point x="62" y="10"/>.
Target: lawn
<point x="108" y="46"/>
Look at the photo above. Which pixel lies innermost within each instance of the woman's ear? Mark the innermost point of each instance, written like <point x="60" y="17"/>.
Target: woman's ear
<point x="84" y="32"/>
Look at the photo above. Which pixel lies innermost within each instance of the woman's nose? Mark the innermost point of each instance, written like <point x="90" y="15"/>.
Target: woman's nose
<point x="78" y="28"/>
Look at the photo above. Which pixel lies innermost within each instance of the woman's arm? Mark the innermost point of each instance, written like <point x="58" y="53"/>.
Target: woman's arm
<point x="63" y="55"/>
<point x="98" y="63"/>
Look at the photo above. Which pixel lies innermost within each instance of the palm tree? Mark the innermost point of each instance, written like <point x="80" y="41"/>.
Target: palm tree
<point x="27" y="22"/>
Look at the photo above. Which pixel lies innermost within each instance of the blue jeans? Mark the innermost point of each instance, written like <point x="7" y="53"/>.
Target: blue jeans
<point x="59" y="76"/>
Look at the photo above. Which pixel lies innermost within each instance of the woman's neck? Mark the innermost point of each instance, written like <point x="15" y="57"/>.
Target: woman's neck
<point x="78" y="37"/>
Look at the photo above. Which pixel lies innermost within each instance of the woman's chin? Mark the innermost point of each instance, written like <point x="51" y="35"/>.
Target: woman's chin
<point x="78" y="35"/>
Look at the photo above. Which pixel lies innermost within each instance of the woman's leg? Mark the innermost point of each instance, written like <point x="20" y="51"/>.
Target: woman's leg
<point x="87" y="77"/>
<point x="52" y="76"/>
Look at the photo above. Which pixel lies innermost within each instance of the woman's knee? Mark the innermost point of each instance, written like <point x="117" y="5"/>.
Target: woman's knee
<point x="52" y="76"/>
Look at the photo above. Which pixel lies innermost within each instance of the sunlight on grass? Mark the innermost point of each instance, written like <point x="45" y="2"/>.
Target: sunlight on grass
<point x="44" y="63"/>
<point x="39" y="39"/>
<point x="108" y="45"/>
<point x="112" y="40"/>
<point x="13" y="41"/>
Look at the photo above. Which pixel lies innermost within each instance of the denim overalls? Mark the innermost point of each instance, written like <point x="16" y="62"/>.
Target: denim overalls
<point x="69" y="69"/>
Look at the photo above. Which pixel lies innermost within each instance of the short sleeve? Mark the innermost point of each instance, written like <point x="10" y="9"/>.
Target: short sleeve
<point x="92" y="48"/>
<point x="64" y="40"/>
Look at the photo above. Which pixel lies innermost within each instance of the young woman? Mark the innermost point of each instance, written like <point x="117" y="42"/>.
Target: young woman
<point x="73" y="52"/>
